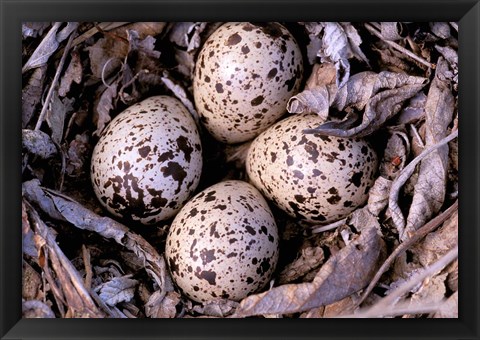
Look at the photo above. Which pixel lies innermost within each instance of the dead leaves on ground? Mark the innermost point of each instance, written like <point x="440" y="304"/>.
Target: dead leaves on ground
<point x="393" y="82"/>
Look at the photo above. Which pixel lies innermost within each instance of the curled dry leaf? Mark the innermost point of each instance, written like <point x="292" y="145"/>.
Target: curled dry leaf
<point x="382" y="95"/>
<point x="430" y="188"/>
<point x="319" y="93"/>
<point x="378" y="195"/>
<point x="309" y="259"/>
<point x="338" y="278"/>
<point x="338" y="43"/>
<point x="119" y="289"/>
<point x="413" y="111"/>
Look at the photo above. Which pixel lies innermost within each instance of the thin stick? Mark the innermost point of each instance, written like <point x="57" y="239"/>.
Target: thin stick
<point x="389" y="300"/>
<point x="400" y="48"/>
<point x="88" y="267"/>
<point x="418" y="235"/>
<point x="54" y="83"/>
<point x="404" y="308"/>
<point x="329" y="226"/>
<point x="417" y="136"/>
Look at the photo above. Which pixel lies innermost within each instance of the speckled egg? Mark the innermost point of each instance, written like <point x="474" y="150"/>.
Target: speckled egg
<point x="223" y="243"/>
<point x="318" y="179"/>
<point x="148" y="161"/>
<point x="244" y="76"/>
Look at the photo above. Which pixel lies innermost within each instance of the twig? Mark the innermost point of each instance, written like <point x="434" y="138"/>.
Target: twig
<point x="418" y="235"/>
<point x="417" y="136"/>
<point x="54" y="83"/>
<point x="400" y="48"/>
<point x="88" y="267"/>
<point x="403" y="308"/>
<point x="329" y="226"/>
<point x="384" y="304"/>
<point x="403" y="176"/>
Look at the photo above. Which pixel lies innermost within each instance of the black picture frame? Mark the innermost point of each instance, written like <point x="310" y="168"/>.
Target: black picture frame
<point x="13" y="13"/>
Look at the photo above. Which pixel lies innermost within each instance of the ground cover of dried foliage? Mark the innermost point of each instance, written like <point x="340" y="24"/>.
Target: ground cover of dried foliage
<point x="395" y="257"/>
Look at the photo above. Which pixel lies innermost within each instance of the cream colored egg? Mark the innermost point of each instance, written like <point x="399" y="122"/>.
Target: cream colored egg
<point x="244" y="76"/>
<point x="318" y="179"/>
<point x="223" y="243"/>
<point x="148" y="161"/>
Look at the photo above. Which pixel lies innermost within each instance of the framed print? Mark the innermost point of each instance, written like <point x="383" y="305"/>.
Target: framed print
<point x="271" y="169"/>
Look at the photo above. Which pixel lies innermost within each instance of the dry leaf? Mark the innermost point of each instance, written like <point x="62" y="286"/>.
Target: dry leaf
<point x="431" y="185"/>
<point x="34" y="29"/>
<point x="449" y="309"/>
<point x="391" y="30"/>
<point x="49" y="45"/>
<point x="119" y="289"/>
<point x="432" y="289"/>
<point x="32" y="94"/>
<point x="78" y="152"/>
<point x="35" y="309"/>
<point x="166" y="308"/>
<point x="378" y="195"/>
<point x="440" y="29"/>
<point x="180" y="93"/>
<point x="438" y="243"/>
<point x="56" y="113"/>
<point x="38" y="143"/>
<point x="338" y="278"/>
<point x="63" y="208"/>
<point x="107" y="55"/>
<point x="217" y="308"/>
<point x="31" y="283"/>
<point x="103" y="107"/>
<point x="72" y="74"/>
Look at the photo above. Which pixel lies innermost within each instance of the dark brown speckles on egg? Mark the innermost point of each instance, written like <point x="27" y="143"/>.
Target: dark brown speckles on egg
<point x="145" y="167"/>
<point x="315" y="178"/>
<point x="244" y="71"/>
<point x="234" y="248"/>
